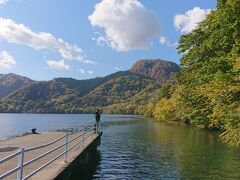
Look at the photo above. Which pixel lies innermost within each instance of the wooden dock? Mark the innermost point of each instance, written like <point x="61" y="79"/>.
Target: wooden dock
<point x="37" y="153"/>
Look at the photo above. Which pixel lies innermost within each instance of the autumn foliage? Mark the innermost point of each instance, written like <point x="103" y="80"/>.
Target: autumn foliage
<point x="208" y="90"/>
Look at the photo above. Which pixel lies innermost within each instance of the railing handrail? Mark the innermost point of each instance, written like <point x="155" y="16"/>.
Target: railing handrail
<point x="51" y="143"/>
<point x="9" y="172"/>
<point x="69" y="141"/>
<point x="43" y="166"/>
<point x="10" y="156"/>
<point x="21" y="152"/>
<point x="42" y="155"/>
<point x="44" y="145"/>
<point x="75" y="132"/>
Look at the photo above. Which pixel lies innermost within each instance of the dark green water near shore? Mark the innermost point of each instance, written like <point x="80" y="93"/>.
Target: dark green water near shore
<point x="136" y="148"/>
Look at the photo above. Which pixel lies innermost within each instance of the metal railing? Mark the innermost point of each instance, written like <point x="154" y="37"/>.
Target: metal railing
<point x="80" y="137"/>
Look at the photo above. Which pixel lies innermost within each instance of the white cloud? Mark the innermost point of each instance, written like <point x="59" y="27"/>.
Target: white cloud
<point x="82" y="71"/>
<point x="12" y="32"/>
<point x="172" y="44"/>
<point x="71" y="54"/>
<point x="163" y="40"/>
<point x="117" y="68"/>
<point x="127" y="24"/>
<point x="90" y="72"/>
<point x="6" y="60"/>
<point x="88" y="61"/>
<point x="3" y="2"/>
<point x="100" y="40"/>
<point x="189" y="21"/>
<point x="58" y="65"/>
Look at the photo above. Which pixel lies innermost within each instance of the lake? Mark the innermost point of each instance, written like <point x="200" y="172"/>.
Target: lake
<point x="136" y="148"/>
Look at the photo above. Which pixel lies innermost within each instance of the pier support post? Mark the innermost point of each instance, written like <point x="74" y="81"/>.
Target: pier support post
<point x="20" y="164"/>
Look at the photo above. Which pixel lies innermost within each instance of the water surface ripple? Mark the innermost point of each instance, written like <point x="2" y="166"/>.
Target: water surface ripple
<point x="137" y="148"/>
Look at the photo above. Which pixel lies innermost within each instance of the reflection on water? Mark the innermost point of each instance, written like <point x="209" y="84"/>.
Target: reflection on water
<point x="198" y="153"/>
<point x="144" y="149"/>
<point x="136" y="148"/>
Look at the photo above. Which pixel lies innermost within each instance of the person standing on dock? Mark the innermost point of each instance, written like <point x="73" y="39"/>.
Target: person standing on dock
<point x="97" y="118"/>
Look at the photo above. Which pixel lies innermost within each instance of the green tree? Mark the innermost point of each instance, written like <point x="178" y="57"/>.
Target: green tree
<point x="209" y="78"/>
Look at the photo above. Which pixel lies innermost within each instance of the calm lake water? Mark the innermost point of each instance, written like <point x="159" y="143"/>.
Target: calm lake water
<point x="137" y="148"/>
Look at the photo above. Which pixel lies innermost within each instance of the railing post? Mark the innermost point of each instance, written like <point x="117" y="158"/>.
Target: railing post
<point x="83" y="135"/>
<point x="80" y="137"/>
<point x="66" y="148"/>
<point x="93" y="130"/>
<point x="20" y="164"/>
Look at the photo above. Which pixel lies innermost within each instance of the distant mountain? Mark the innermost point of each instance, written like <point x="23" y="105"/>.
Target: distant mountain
<point x="12" y="82"/>
<point x="125" y="89"/>
<point x="159" y="70"/>
<point x="117" y="89"/>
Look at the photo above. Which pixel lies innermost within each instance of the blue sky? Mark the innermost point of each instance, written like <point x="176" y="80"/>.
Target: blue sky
<point x="74" y="38"/>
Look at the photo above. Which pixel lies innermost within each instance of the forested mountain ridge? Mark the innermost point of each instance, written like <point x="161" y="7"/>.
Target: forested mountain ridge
<point x="68" y="95"/>
<point x="12" y="82"/>
<point x="159" y="70"/>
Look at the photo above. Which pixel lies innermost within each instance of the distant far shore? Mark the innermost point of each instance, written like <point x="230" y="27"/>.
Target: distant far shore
<point x="67" y="113"/>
